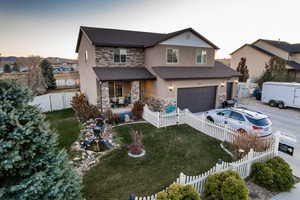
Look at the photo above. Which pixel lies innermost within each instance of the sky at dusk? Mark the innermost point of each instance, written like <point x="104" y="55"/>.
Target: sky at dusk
<point x="50" y="27"/>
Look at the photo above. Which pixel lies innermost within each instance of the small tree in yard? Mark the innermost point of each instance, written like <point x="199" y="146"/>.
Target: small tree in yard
<point x="275" y="70"/>
<point x="83" y="110"/>
<point x="7" y="69"/>
<point x="47" y="73"/>
<point x="243" y="69"/>
<point x="31" y="166"/>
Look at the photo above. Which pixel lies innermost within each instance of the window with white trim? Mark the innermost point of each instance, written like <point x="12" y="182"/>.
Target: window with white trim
<point x="120" y="55"/>
<point x="201" y="56"/>
<point x="172" y="55"/>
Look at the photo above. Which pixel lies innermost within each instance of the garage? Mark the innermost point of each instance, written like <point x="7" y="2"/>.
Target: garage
<point x="197" y="99"/>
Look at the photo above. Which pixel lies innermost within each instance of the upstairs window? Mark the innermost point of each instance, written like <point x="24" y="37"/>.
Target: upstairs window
<point x="201" y="56"/>
<point x="120" y="55"/>
<point x="172" y="56"/>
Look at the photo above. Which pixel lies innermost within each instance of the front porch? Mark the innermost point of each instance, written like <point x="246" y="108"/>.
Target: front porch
<point x="120" y="87"/>
<point x="119" y="96"/>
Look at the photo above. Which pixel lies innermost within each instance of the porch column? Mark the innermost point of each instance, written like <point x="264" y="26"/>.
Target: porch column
<point x="105" y="96"/>
<point x="135" y="91"/>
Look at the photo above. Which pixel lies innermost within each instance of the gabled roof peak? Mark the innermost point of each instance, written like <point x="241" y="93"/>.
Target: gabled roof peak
<point x="129" y="38"/>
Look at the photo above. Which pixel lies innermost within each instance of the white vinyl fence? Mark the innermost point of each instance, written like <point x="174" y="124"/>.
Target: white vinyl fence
<point x="53" y="101"/>
<point x="242" y="166"/>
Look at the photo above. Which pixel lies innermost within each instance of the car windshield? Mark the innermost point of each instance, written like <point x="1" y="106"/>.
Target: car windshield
<point x="259" y="122"/>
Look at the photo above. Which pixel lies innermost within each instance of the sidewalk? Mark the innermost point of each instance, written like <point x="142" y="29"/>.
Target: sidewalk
<point x="294" y="194"/>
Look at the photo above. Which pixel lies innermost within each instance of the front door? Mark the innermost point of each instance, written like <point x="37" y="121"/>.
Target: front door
<point x="229" y="90"/>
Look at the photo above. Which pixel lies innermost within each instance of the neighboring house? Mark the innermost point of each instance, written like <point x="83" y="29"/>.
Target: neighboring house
<point x="177" y="68"/>
<point x="259" y="53"/>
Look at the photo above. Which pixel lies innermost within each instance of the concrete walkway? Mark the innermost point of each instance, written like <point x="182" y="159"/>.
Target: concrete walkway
<point x="294" y="194"/>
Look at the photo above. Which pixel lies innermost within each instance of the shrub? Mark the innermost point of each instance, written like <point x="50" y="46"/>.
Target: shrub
<point x="179" y="192"/>
<point x="234" y="189"/>
<point x="136" y="147"/>
<point x="137" y="110"/>
<point x="216" y="189"/>
<point x="247" y="141"/>
<point x="276" y="175"/>
<point x="262" y="174"/>
<point x="83" y="110"/>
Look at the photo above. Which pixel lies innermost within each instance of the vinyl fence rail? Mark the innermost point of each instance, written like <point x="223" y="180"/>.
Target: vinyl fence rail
<point x="222" y="133"/>
<point x="53" y="101"/>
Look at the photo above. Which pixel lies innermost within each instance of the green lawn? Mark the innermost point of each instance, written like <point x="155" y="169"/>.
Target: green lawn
<point x="169" y="151"/>
<point x="65" y="124"/>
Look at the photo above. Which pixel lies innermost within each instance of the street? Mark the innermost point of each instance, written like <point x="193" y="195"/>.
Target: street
<point x="284" y="120"/>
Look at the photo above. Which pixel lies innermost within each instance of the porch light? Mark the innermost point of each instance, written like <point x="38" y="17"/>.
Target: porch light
<point x="235" y="81"/>
<point x="223" y="84"/>
<point x="171" y="88"/>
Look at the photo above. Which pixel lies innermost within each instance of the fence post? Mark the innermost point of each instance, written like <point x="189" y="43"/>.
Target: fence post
<point x="177" y="115"/>
<point x="276" y="144"/>
<point x="158" y="119"/>
<point x="249" y="161"/>
<point x="219" y="165"/>
<point x="181" y="179"/>
<point x="50" y="102"/>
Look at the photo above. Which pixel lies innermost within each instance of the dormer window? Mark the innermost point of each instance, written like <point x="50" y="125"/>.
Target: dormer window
<point x="172" y="56"/>
<point x="120" y="55"/>
<point x="201" y="56"/>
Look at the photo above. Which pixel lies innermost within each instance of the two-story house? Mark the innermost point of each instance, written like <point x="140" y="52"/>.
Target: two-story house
<point x="178" y="68"/>
<point x="259" y="53"/>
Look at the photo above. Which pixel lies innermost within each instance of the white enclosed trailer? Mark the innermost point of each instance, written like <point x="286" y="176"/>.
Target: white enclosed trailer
<point x="281" y="94"/>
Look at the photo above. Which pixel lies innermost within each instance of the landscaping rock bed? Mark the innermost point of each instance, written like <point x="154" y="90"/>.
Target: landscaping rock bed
<point x="258" y="193"/>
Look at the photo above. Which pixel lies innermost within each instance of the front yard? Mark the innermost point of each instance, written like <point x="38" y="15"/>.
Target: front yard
<point x="169" y="151"/>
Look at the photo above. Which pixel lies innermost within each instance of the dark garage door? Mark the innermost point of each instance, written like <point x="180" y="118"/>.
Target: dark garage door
<point x="197" y="99"/>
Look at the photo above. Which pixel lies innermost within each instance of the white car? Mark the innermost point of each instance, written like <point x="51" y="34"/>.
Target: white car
<point x="242" y="119"/>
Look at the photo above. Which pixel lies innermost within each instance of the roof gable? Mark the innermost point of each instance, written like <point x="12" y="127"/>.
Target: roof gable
<point x="290" y="48"/>
<point x="187" y="39"/>
<point x="126" y="38"/>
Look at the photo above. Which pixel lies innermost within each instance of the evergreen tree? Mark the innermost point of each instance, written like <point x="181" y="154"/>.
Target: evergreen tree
<point x="243" y="69"/>
<point x="31" y="166"/>
<point x="47" y="72"/>
<point x="7" y="68"/>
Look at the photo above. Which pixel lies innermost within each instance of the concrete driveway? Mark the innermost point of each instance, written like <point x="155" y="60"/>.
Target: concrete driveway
<point x="286" y="120"/>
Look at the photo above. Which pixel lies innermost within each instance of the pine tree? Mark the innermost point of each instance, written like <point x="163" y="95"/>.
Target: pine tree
<point x="243" y="69"/>
<point x="47" y="72"/>
<point x="7" y="69"/>
<point x="31" y="166"/>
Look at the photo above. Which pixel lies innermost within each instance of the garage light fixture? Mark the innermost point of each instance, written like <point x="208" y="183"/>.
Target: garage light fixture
<point x="222" y="84"/>
<point x="236" y="81"/>
<point x="171" y="88"/>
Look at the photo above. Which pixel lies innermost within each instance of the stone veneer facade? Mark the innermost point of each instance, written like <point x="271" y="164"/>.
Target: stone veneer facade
<point x="104" y="96"/>
<point x="135" y="91"/>
<point x="105" y="57"/>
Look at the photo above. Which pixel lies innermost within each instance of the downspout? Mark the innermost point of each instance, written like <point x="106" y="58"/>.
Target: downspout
<point x="100" y="87"/>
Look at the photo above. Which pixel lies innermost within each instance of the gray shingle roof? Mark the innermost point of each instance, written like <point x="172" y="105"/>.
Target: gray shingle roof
<point x="176" y="73"/>
<point x="122" y="73"/>
<point x="293" y="64"/>
<point x="291" y="48"/>
<point x="126" y="38"/>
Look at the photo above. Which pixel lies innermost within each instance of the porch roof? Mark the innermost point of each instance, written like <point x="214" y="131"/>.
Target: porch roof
<point x="176" y="73"/>
<point x="122" y="73"/>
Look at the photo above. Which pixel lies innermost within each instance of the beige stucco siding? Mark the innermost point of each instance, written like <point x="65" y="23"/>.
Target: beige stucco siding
<point x="295" y="57"/>
<point x="278" y="52"/>
<point x="171" y="96"/>
<point x="88" y="78"/>
<point x="157" y="56"/>
<point x="255" y="60"/>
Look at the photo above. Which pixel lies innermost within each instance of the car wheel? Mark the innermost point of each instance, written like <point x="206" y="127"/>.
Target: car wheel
<point x="281" y="105"/>
<point x="272" y="103"/>
<point x="210" y="119"/>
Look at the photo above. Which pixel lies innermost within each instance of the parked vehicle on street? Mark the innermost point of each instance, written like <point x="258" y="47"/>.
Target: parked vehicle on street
<point x="242" y="120"/>
<point x="281" y="95"/>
